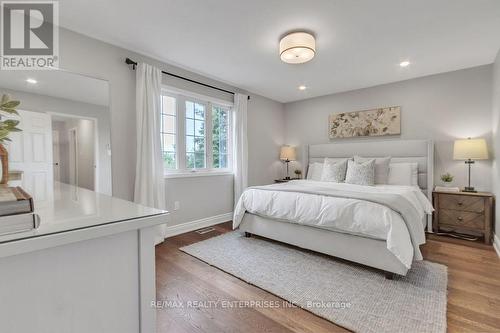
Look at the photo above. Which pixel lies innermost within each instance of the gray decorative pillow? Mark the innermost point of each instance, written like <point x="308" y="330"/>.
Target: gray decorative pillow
<point x="381" y="167"/>
<point x="361" y="173"/>
<point x="334" y="170"/>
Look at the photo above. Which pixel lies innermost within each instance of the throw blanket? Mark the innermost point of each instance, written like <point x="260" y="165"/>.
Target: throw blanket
<point x="389" y="203"/>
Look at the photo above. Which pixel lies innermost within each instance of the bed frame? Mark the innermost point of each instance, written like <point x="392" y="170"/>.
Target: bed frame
<point x="366" y="251"/>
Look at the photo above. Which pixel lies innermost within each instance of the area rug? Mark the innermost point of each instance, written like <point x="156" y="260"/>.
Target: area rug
<point x="353" y="296"/>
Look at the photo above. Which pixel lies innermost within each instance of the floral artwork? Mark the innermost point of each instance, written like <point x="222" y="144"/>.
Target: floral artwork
<point x="375" y="122"/>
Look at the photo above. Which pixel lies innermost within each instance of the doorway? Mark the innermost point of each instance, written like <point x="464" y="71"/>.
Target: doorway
<point x="75" y="151"/>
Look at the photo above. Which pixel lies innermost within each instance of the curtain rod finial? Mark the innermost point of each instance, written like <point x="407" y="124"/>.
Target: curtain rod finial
<point x="129" y="61"/>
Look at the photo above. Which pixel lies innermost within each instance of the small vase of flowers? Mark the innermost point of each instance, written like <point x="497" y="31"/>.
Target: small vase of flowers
<point x="447" y="178"/>
<point x="298" y="173"/>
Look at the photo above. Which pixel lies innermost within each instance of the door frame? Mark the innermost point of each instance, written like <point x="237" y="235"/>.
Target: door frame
<point x="73" y="148"/>
<point x="96" y="142"/>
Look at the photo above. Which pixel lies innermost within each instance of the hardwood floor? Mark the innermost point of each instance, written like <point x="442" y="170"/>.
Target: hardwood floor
<point x="473" y="292"/>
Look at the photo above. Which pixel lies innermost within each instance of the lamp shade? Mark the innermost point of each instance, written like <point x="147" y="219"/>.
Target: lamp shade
<point x="287" y="153"/>
<point x="474" y="149"/>
<point x="297" y="48"/>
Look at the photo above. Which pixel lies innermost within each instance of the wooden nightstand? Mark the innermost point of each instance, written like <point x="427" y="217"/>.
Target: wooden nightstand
<point x="465" y="213"/>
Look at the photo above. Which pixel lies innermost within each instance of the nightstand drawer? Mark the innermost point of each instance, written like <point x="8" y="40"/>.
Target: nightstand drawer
<point x="462" y="203"/>
<point x="464" y="219"/>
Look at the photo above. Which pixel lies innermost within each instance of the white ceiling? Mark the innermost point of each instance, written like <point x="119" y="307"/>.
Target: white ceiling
<point x="360" y="43"/>
<point x="60" y="84"/>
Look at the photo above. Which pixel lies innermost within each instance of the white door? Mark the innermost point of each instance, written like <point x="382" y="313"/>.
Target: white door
<point x="31" y="152"/>
<point x="56" y="156"/>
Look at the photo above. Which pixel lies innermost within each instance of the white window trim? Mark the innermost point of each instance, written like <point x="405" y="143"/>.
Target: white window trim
<point x="206" y="173"/>
<point x="187" y="93"/>
<point x="182" y="172"/>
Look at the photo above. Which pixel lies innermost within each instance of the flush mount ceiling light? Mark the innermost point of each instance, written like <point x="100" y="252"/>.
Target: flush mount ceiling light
<point x="297" y="47"/>
<point x="31" y="81"/>
<point x="405" y="63"/>
<point x="302" y="87"/>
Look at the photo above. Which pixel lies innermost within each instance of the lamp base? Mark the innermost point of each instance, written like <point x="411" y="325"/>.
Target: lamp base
<point x="469" y="189"/>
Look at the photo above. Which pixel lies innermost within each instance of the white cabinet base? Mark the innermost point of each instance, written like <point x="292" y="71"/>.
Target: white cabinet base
<point x="103" y="284"/>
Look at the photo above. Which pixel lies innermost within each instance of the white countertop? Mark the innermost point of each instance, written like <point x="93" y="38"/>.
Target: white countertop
<point x="75" y="208"/>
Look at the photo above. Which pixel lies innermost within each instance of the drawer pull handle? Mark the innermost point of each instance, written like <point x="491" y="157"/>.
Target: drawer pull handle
<point x="460" y="218"/>
<point x="460" y="203"/>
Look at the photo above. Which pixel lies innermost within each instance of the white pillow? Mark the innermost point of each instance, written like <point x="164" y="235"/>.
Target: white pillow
<point x="403" y="174"/>
<point x="315" y="171"/>
<point x="381" y="167"/>
<point x="334" y="170"/>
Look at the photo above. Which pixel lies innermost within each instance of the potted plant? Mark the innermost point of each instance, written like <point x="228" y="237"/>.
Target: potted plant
<point x="7" y="125"/>
<point x="298" y="173"/>
<point x="447" y="178"/>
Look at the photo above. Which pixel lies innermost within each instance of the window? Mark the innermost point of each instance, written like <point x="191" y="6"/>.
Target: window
<point x="196" y="134"/>
<point x="220" y="135"/>
<point x="168" y="131"/>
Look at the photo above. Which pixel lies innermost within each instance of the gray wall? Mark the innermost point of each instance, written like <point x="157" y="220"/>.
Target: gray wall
<point x="441" y="107"/>
<point x="199" y="197"/>
<point x="496" y="137"/>
<point x="266" y="134"/>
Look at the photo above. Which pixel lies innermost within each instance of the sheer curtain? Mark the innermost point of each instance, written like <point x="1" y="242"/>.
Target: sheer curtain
<point x="240" y="145"/>
<point x="149" y="177"/>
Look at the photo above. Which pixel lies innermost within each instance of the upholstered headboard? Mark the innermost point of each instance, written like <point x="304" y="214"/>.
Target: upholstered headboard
<point x="420" y="151"/>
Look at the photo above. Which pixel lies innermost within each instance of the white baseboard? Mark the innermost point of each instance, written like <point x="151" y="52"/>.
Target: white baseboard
<point x="496" y="244"/>
<point x="198" y="224"/>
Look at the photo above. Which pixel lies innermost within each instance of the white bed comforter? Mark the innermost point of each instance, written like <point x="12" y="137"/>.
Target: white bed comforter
<point x="387" y="212"/>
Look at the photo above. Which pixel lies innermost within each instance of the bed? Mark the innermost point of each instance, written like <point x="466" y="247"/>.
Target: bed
<point x="393" y="225"/>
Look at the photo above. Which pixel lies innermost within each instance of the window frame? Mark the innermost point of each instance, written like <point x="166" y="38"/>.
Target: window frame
<point x="181" y="97"/>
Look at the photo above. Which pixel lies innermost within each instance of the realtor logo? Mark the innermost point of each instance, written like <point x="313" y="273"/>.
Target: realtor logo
<point x="30" y="35"/>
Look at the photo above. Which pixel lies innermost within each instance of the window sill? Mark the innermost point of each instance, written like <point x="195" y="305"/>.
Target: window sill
<point x="189" y="174"/>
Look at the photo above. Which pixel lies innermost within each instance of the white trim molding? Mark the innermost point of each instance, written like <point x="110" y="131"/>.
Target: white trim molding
<point x="197" y="224"/>
<point x="496" y="244"/>
<point x="202" y="173"/>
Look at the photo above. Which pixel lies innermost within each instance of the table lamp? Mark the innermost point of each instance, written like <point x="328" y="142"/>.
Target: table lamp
<point x="470" y="150"/>
<point x="287" y="154"/>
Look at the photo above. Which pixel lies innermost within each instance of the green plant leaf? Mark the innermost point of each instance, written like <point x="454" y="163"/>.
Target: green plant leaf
<point x="11" y="104"/>
<point x="8" y="106"/>
<point x="3" y="133"/>
<point x="11" y="122"/>
<point x="10" y="111"/>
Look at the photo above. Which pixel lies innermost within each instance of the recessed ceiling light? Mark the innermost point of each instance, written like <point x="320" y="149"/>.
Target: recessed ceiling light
<point x="32" y="81"/>
<point x="297" y="48"/>
<point x="302" y="87"/>
<point x="405" y="63"/>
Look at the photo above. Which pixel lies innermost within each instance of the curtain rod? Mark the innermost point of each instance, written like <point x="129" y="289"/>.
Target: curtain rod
<point x="129" y="61"/>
